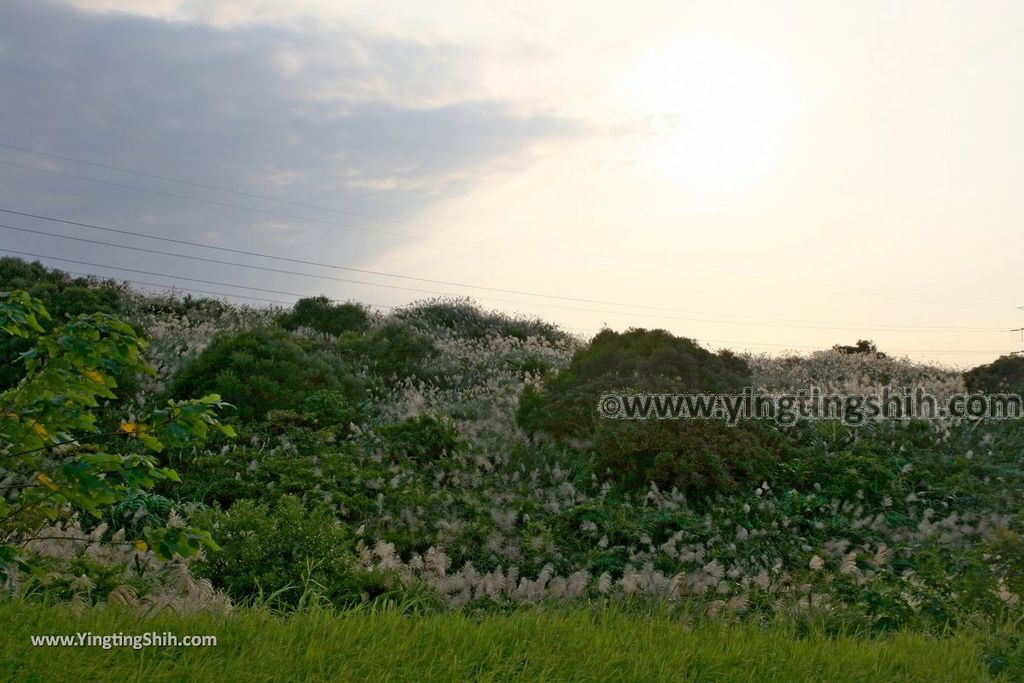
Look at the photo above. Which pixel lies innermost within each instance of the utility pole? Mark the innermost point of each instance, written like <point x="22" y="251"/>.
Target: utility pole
<point x="1021" y="330"/>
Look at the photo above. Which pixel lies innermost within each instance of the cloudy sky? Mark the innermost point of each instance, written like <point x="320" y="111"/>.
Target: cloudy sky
<point x="757" y="175"/>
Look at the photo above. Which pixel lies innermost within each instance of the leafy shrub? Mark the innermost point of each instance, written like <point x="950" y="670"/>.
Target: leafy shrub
<point x="465" y="319"/>
<point x="69" y="368"/>
<point x="262" y="369"/>
<point x="333" y="407"/>
<point x="279" y="550"/>
<point x="424" y="437"/>
<point x="845" y="475"/>
<point x="320" y="416"/>
<point x="138" y="510"/>
<point x="322" y="314"/>
<point x="700" y="456"/>
<point x="529" y="364"/>
<point x="63" y="296"/>
<point x="169" y="306"/>
<point x="524" y="328"/>
<point x="1005" y="374"/>
<point x="392" y="351"/>
<point x="650" y="361"/>
<point x="332" y="473"/>
<point x="862" y="346"/>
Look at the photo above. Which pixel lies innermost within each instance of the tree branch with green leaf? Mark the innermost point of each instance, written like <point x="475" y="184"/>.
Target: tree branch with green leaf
<point x="55" y="461"/>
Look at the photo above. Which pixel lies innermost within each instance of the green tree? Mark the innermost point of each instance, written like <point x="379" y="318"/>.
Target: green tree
<point x="62" y="295"/>
<point x="862" y="346"/>
<point x="264" y="369"/>
<point x="55" y="459"/>
<point x="392" y="351"/>
<point x="322" y="314"/>
<point x="1004" y="374"/>
<point x="700" y="457"/>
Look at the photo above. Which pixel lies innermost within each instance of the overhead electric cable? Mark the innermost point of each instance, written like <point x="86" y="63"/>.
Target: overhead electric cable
<point x="830" y="324"/>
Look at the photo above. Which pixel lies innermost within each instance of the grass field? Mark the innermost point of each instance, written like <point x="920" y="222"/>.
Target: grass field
<point x="527" y="645"/>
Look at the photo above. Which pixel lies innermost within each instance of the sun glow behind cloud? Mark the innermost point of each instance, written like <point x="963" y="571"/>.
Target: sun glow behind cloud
<point x="720" y="112"/>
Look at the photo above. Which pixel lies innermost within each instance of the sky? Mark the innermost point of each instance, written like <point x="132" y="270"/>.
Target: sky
<point x="762" y="176"/>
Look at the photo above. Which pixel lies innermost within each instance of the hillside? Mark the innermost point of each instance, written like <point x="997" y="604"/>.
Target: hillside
<point x="436" y="459"/>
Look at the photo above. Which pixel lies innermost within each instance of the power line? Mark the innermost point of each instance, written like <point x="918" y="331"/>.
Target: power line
<point x="218" y="188"/>
<point x="147" y="272"/>
<point x="165" y="286"/>
<point x="884" y="293"/>
<point x="218" y="261"/>
<point x="295" y="294"/>
<point x="275" y="257"/>
<point x="427" y="291"/>
<point x="191" y="290"/>
<point x="830" y="324"/>
<point x="214" y="202"/>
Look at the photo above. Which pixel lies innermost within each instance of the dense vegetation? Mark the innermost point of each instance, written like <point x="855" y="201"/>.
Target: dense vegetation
<point x="265" y="369"/>
<point x="321" y="314"/>
<point x="1005" y="374"/>
<point x="52" y="433"/>
<point x="444" y="458"/>
<point x="61" y="295"/>
<point x="699" y="458"/>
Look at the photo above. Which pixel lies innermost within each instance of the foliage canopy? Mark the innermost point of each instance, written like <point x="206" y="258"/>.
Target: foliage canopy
<point x="51" y="446"/>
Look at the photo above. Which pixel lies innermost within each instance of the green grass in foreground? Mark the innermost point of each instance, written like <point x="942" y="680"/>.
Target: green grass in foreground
<point x="527" y="645"/>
